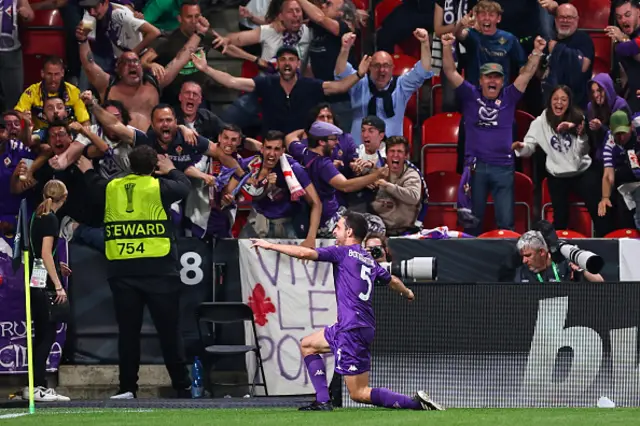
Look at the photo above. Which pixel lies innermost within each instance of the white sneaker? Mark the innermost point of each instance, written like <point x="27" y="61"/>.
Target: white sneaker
<point x="58" y="397"/>
<point x="124" y="395"/>
<point x="39" y="394"/>
<point x="427" y="403"/>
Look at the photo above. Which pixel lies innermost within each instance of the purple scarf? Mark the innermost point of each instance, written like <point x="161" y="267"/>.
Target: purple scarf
<point x="291" y="39"/>
<point x="465" y="214"/>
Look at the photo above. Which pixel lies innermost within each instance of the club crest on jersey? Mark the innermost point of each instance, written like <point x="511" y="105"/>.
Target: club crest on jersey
<point x="502" y="40"/>
<point x="7" y="162"/>
<point x="179" y="150"/>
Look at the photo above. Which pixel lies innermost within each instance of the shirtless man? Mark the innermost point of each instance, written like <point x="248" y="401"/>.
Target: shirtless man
<point x="138" y="92"/>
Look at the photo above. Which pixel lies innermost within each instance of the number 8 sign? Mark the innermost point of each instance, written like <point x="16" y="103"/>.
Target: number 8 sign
<point x="190" y="268"/>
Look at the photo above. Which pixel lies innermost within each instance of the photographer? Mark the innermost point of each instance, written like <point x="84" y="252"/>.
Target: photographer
<point x="538" y="264"/>
<point x="378" y="248"/>
<point x="508" y="268"/>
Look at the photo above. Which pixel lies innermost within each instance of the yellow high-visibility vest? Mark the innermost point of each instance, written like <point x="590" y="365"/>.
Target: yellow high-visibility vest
<point x="135" y="222"/>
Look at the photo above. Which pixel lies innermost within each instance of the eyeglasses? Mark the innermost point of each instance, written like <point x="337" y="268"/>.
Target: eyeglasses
<point x="131" y="61"/>
<point x="382" y="66"/>
<point x="61" y="134"/>
<point x="566" y="18"/>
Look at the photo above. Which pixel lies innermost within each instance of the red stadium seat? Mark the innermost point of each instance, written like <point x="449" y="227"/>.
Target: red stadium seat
<point x="443" y="187"/>
<point x="500" y="233"/>
<point x="623" y="233"/>
<point x="443" y="194"/>
<point x="407" y="132"/>
<point x="382" y="10"/>
<point x="436" y="98"/>
<point x="401" y="65"/>
<point x="579" y="217"/>
<point x="567" y="234"/>
<point x="523" y="195"/>
<point x="603" y="49"/>
<point x="361" y="4"/>
<point x="439" y="143"/>
<point x="44" y="36"/>
<point x="249" y="69"/>
<point x="523" y="122"/>
<point x="409" y="46"/>
<point x="594" y="14"/>
<point x="600" y="66"/>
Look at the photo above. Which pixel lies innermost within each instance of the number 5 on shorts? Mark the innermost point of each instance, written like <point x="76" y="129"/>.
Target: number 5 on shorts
<point x="365" y="274"/>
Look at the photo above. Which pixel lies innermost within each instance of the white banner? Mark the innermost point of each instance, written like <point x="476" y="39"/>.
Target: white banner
<point x="290" y="300"/>
<point x="629" y="265"/>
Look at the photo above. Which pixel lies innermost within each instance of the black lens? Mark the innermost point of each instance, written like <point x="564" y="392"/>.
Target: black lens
<point x="376" y="252"/>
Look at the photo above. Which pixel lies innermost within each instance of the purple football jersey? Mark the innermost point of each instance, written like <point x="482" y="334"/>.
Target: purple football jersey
<point x="14" y="151"/>
<point x="321" y="170"/>
<point x="354" y="275"/>
<point x="489" y="123"/>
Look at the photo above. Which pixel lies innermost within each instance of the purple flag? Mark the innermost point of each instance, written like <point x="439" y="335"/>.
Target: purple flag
<point x="13" y="340"/>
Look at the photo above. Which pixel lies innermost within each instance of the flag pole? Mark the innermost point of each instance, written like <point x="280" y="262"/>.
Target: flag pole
<point x="27" y="294"/>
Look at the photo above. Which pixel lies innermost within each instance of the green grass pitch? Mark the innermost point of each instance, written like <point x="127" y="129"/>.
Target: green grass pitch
<point x="366" y="416"/>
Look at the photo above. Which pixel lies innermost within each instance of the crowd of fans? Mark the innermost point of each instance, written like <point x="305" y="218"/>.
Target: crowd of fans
<point x="330" y="123"/>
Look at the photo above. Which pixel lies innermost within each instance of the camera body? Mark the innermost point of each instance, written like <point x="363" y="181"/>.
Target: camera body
<point x="377" y="252"/>
<point x="416" y="269"/>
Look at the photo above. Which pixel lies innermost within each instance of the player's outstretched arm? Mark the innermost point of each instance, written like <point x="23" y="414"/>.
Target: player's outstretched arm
<point x="299" y="252"/>
<point x="397" y="285"/>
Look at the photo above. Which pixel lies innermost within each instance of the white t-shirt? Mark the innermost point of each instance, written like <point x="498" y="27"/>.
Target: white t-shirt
<point x="271" y="41"/>
<point x="115" y="162"/>
<point x="257" y="8"/>
<point x="124" y="24"/>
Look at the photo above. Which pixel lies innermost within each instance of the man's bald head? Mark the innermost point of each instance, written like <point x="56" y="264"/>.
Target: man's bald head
<point x="381" y="69"/>
<point x="566" y="20"/>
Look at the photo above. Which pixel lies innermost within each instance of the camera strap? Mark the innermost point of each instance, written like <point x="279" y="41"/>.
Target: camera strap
<point x="555" y="272"/>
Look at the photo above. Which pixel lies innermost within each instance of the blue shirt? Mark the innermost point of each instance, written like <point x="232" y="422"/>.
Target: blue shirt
<point x="502" y="48"/>
<point x="360" y="95"/>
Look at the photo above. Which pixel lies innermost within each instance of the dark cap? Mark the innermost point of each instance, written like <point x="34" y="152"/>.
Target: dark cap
<point x="375" y="121"/>
<point x="287" y="49"/>
<point x="89" y="3"/>
<point x="491" y="68"/>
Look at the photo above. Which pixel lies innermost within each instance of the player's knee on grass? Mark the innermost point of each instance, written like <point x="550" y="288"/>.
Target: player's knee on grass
<point x="361" y="395"/>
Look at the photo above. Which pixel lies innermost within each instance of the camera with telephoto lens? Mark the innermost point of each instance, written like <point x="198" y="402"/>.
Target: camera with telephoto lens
<point x="416" y="269"/>
<point x="561" y="250"/>
<point x="583" y="258"/>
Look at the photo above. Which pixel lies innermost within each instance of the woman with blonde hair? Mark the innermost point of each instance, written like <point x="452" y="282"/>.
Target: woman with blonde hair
<point x="46" y="285"/>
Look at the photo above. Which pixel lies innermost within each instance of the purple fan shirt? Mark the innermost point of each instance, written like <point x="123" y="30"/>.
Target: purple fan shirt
<point x="489" y="123"/>
<point x="321" y="170"/>
<point x="13" y="152"/>
<point x="277" y="204"/>
<point x="354" y="275"/>
<point x="345" y="151"/>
